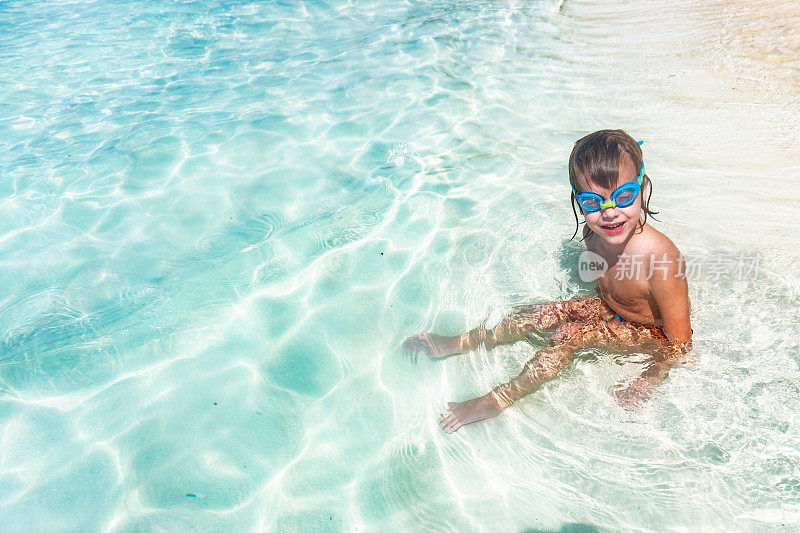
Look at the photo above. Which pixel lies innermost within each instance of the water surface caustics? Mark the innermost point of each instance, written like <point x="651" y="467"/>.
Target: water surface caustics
<point x="218" y="221"/>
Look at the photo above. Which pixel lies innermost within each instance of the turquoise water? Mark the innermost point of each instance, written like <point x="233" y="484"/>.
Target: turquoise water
<point x="218" y="222"/>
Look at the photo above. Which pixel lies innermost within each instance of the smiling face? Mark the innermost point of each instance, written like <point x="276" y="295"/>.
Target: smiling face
<point x="615" y="224"/>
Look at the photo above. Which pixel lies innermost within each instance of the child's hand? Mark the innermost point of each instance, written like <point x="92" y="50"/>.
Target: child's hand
<point x="632" y="396"/>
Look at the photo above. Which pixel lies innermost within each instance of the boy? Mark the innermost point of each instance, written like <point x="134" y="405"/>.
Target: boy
<point x="643" y="297"/>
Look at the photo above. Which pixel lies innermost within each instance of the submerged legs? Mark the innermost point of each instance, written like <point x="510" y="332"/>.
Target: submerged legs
<point x="578" y="322"/>
<point x="548" y="361"/>
<point x="514" y="327"/>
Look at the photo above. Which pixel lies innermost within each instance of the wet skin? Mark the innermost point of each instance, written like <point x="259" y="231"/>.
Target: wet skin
<point x="576" y="323"/>
<point x="586" y="321"/>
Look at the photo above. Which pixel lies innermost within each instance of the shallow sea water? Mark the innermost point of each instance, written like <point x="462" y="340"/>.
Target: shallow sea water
<point x="219" y="220"/>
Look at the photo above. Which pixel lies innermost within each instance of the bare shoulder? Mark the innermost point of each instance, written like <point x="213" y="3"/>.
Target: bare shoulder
<point x="654" y="244"/>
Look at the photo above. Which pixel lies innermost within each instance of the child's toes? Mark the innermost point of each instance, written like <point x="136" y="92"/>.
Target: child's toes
<point x="446" y="418"/>
<point x="410" y="344"/>
<point x="453" y="425"/>
<point x="416" y="343"/>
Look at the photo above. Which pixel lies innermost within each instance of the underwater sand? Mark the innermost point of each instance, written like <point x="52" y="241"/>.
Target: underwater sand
<point x="219" y="221"/>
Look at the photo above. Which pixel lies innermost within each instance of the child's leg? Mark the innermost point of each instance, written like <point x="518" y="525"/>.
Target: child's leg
<point x="545" y="365"/>
<point x="513" y="327"/>
<point x="540" y="317"/>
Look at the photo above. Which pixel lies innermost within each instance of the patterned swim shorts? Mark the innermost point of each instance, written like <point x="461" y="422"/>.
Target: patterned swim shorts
<point x="655" y="330"/>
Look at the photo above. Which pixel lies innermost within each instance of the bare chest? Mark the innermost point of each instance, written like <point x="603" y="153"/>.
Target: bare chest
<point x="626" y="291"/>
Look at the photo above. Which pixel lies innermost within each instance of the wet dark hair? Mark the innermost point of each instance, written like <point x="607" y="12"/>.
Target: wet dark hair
<point x="595" y="159"/>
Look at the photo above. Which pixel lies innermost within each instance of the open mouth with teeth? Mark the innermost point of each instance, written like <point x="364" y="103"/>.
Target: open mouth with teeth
<point x="613" y="228"/>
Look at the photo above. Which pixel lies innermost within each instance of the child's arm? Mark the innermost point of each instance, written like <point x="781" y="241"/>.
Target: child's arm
<point x="670" y="291"/>
<point x="671" y="294"/>
<point x="655" y="371"/>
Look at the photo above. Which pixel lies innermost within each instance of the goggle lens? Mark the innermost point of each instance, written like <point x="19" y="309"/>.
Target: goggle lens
<point x="626" y="197"/>
<point x="589" y="204"/>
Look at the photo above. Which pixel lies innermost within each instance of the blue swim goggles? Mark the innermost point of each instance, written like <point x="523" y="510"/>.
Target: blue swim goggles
<point x="623" y="196"/>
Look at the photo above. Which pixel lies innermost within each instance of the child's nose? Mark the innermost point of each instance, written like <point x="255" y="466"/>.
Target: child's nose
<point x="609" y="212"/>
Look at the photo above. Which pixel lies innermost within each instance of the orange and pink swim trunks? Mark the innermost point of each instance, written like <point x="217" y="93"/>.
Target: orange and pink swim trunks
<point x="655" y="330"/>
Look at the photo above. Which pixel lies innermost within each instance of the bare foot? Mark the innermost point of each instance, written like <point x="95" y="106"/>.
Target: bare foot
<point x="460" y="413"/>
<point x="432" y="345"/>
